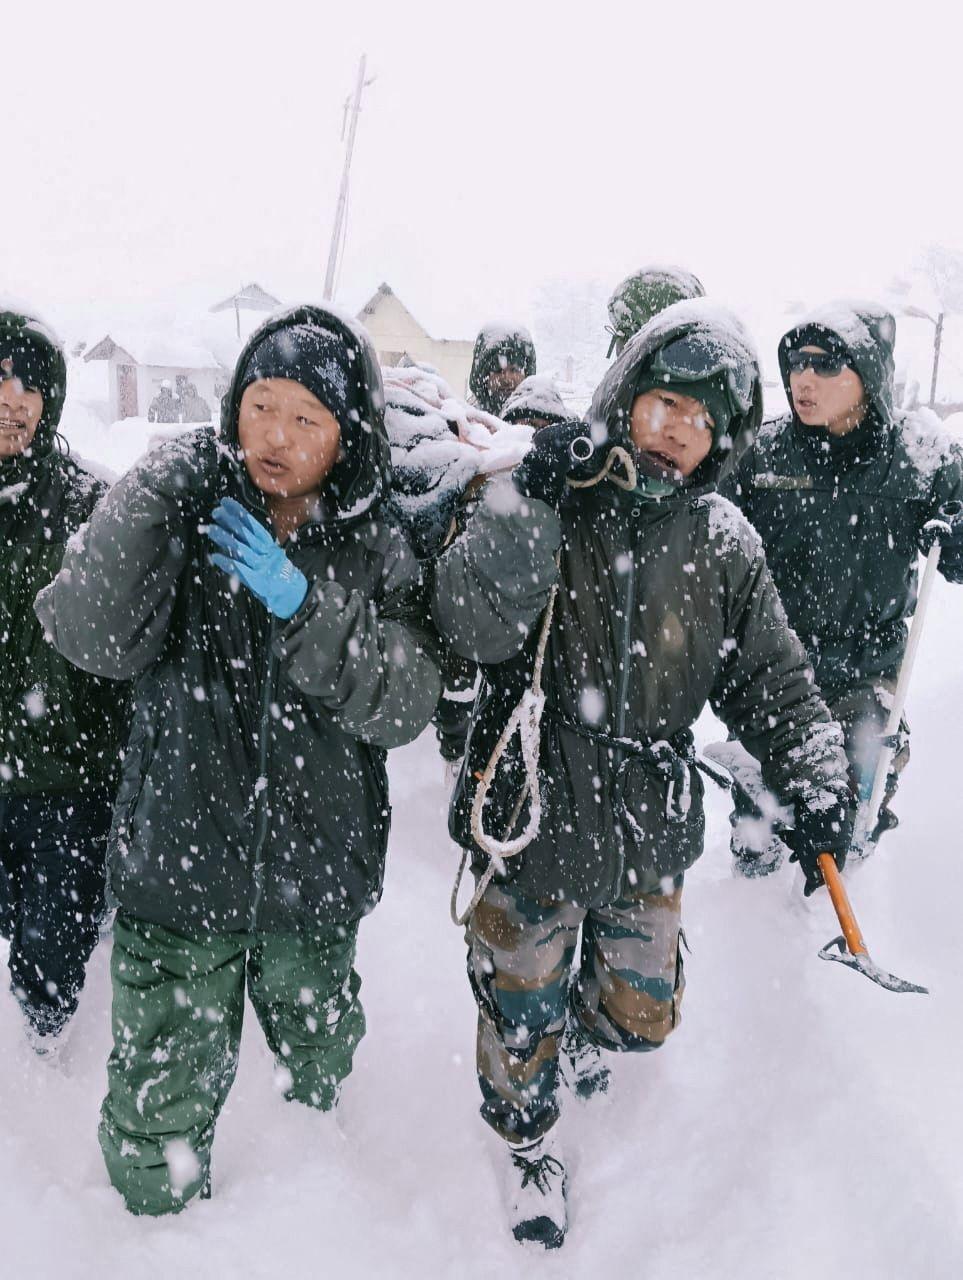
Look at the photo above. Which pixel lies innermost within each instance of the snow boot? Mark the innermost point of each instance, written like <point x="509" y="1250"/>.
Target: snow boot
<point x="535" y="1189"/>
<point x="49" y="1046"/>
<point x="580" y="1061"/>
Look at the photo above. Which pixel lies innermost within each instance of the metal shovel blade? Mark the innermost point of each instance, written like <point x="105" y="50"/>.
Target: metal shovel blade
<point x="865" y="965"/>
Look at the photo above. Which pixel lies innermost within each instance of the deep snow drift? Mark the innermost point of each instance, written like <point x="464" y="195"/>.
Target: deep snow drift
<point x="800" y="1123"/>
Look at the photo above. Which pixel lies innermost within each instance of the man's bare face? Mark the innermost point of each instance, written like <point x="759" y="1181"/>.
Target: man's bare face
<point x="673" y="431"/>
<point x="837" y="403"/>
<point x="290" y="440"/>
<point x="20" y="414"/>
<point x="503" y="381"/>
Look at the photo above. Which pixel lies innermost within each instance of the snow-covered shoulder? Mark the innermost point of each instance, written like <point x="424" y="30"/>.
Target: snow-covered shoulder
<point x="179" y="466"/>
<point x="728" y="529"/>
<point x="92" y="470"/>
<point x="926" y="444"/>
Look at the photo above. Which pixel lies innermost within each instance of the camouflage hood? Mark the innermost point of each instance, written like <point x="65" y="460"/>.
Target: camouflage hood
<point x="610" y="412"/>
<point x="868" y="332"/>
<point x="642" y="295"/>
<point x="363" y="477"/>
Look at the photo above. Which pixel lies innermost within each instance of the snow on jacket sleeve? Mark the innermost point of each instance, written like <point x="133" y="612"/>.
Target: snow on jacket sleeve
<point x="948" y="487"/>
<point x="493" y="583"/>
<point x="766" y="696"/>
<point x="368" y="661"/>
<point x="108" y="609"/>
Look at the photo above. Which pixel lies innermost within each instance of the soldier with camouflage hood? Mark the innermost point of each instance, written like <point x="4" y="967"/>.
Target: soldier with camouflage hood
<point x="846" y="492"/>
<point x="59" y="727"/>
<point x="642" y="295"/>
<point x="663" y="603"/>
<point x="503" y="356"/>
<point x="271" y="617"/>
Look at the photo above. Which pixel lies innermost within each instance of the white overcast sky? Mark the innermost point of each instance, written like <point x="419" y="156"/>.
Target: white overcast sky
<point x="158" y="155"/>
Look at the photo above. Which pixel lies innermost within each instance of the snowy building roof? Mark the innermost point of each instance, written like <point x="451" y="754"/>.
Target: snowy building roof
<point x="377" y="300"/>
<point x="249" y="298"/>
<point x="167" y="350"/>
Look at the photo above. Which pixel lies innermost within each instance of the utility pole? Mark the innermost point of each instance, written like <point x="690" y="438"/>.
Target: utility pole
<point x="937" y="343"/>
<point x="338" y="229"/>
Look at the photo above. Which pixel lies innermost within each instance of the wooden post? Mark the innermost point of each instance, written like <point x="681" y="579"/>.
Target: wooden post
<point x="937" y="343"/>
<point x="343" y="193"/>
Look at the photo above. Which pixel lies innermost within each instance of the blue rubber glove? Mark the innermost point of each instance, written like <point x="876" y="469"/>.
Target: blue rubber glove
<point x="255" y="557"/>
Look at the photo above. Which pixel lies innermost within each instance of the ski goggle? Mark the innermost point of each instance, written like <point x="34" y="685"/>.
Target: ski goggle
<point x="685" y="360"/>
<point x="824" y="364"/>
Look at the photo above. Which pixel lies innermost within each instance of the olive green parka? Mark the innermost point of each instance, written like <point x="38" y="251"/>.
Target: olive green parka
<point x="254" y="793"/>
<point x="662" y="606"/>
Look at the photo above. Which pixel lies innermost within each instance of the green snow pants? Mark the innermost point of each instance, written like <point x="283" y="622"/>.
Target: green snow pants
<point x="178" y="1004"/>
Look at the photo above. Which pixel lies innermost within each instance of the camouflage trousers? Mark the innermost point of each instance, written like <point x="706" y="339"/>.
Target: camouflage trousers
<point x="624" y="991"/>
<point x="862" y="710"/>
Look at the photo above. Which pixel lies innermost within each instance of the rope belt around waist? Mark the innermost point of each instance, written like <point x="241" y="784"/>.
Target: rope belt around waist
<point x="667" y="759"/>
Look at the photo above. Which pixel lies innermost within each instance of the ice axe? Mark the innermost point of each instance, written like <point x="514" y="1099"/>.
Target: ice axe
<point x="849" y="948"/>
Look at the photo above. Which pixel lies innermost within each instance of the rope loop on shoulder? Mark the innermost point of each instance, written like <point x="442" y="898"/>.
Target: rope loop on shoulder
<point x="525" y="721"/>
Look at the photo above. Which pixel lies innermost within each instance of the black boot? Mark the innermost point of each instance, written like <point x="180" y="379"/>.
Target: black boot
<point x="580" y="1062"/>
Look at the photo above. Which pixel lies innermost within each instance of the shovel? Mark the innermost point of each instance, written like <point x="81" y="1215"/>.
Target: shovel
<point x="850" y="949"/>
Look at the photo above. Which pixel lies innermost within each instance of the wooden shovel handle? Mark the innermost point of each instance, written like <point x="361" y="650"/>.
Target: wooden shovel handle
<point x="837" y="891"/>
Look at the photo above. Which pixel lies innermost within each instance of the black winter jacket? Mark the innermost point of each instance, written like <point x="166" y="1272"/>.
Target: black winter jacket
<point x="841" y="518"/>
<point x="254" y="792"/>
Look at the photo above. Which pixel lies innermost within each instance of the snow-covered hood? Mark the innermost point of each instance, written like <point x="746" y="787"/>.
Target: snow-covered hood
<point x="535" y="397"/>
<point x="868" y="331"/>
<point x="611" y="409"/>
<point x="496" y="341"/>
<point x="360" y="481"/>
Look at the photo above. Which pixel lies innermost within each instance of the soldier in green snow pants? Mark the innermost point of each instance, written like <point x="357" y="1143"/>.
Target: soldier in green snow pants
<point x="272" y="620"/>
<point x="177" y="1014"/>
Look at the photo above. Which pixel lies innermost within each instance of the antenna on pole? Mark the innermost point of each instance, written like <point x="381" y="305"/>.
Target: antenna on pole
<point x="338" y="229"/>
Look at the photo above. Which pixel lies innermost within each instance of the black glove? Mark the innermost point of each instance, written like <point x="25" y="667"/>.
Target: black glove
<point x="821" y="830"/>
<point x="946" y="529"/>
<point x="558" y="451"/>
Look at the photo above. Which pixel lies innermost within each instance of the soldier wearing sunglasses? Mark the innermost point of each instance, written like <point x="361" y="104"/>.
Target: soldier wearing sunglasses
<point x="846" y="491"/>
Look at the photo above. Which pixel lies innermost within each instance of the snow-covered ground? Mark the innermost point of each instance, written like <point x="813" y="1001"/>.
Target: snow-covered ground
<point x="801" y="1123"/>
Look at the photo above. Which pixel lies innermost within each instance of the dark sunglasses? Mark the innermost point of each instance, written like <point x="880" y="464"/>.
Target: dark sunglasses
<point x="824" y="364"/>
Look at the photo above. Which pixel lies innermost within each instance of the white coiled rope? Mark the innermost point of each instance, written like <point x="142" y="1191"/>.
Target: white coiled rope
<point x="526" y="721"/>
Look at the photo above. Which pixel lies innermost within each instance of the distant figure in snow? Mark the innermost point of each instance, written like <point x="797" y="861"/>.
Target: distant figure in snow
<point x="163" y="407"/>
<point x="271" y="616"/>
<point x="846" y="492"/>
<point x="642" y="295"/>
<point x="191" y="407"/>
<point x="663" y="603"/>
<point x="535" y="403"/>
<point x="60" y="729"/>
<point x="503" y="356"/>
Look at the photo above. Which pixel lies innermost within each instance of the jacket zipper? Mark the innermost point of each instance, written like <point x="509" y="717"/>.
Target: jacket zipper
<point x="628" y="607"/>
<point x="261" y="799"/>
